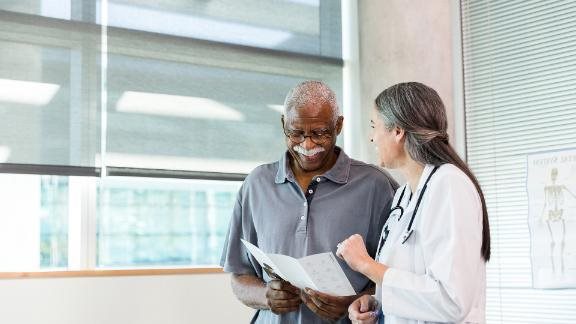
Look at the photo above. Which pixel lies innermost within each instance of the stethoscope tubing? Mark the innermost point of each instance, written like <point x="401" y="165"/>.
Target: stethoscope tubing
<point x="409" y="230"/>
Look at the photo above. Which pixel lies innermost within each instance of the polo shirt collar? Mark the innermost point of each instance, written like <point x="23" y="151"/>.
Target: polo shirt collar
<point x="339" y="173"/>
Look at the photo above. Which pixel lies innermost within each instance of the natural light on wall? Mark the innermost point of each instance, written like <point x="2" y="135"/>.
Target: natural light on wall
<point x="4" y="153"/>
<point x="27" y="92"/>
<point x="19" y="222"/>
<point x="175" y="106"/>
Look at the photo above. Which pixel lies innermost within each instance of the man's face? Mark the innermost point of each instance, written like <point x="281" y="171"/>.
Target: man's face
<point x="316" y="122"/>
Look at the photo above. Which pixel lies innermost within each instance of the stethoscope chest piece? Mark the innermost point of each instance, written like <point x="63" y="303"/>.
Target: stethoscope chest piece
<point x="397" y="212"/>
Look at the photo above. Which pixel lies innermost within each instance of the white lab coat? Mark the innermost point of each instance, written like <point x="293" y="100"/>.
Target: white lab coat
<point x="438" y="275"/>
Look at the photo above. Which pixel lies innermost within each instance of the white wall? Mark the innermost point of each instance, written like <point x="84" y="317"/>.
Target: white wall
<point x="167" y="299"/>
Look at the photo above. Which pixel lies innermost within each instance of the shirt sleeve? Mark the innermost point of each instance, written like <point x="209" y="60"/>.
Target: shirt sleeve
<point x="450" y="237"/>
<point x="235" y="257"/>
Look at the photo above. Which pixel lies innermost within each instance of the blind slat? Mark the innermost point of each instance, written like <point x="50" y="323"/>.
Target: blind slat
<point x="520" y="99"/>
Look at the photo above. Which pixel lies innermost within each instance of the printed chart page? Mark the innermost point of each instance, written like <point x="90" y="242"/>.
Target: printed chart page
<point x="292" y="271"/>
<point x="320" y="272"/>
<point x="327" y="275"/>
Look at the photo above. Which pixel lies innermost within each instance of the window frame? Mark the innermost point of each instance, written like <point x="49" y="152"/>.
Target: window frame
<point x="70" y="34"/>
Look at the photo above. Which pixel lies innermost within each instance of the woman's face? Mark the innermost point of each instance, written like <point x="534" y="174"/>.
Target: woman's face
<point x="389" y="143"/>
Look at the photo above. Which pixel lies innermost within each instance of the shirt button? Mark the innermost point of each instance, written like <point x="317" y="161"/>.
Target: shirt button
<point x="310" y="191"/>
<point x="302" y="217"/>
<point x="305" y="203"/>
<point x="318" y="179"/>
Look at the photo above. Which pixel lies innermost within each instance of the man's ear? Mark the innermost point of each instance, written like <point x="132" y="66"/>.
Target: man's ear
<point x="339" y="123"/>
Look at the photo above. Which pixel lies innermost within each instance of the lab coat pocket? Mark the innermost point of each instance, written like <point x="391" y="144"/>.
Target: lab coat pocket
<point x="419" y="263"/>
<point x="404" y="255"/>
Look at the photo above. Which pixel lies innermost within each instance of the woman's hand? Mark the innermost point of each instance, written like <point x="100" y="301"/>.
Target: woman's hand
<point x="353" y="251"/>
<point x="364" y="310"/>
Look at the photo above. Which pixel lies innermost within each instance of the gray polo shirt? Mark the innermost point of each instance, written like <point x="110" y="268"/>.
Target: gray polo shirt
<point x="273" y="213"/>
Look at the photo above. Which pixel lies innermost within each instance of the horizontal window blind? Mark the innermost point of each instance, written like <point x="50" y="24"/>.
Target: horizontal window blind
<point x="520" y="90"/>
<point x="184" y="85"/>
<point x="48" y="94"/>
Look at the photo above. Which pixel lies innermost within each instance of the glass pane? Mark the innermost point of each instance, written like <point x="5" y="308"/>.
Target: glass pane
<point x="33" y="222"/>
<point x="48" y="8"/>
<point x="304" y="26"/>
<point x="162" y="222"/>
<point x="171" y="115"/>
<point x="44" y="117"/>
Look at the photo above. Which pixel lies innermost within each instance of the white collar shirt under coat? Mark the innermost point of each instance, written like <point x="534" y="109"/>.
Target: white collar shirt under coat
<point x="438" y="274"/>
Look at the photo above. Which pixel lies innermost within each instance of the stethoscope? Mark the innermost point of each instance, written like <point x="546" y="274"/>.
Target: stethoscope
<point x="398" y="211"/>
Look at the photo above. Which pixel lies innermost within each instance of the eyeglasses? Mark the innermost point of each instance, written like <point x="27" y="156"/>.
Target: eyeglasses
<point x="319" y="136"/>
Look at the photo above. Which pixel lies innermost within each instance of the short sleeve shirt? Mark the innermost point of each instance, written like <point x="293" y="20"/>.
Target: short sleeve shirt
<point x="275" y="214"/>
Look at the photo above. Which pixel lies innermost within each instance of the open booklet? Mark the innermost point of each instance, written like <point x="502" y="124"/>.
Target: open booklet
<point x="321" y="272"/>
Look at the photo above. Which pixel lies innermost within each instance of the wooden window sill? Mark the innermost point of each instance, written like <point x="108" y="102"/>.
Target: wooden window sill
<point x="108" y="273"/>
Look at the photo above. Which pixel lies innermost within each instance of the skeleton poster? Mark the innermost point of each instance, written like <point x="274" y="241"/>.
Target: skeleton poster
<point x="551" y="187"/>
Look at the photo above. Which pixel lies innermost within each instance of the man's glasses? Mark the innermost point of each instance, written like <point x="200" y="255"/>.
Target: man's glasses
<point x="318" y="136"/>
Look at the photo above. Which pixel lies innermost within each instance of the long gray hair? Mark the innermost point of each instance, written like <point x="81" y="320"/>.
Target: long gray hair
<point x="419" y="111"/>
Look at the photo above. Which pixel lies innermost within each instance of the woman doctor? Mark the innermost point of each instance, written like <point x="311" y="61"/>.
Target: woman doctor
<point x="430" y="265"/>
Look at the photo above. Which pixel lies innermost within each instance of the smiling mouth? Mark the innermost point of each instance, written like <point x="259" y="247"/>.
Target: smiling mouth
<point x="310" y="158"/>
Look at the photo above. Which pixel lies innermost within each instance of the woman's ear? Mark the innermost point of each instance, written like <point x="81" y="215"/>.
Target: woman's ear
<point x="399" y="134"/>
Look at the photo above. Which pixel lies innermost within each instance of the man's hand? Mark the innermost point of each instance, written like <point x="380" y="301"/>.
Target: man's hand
<point x="364" y="310"/>
<point x="282" y="297"/>
<point x="326" y="306"/>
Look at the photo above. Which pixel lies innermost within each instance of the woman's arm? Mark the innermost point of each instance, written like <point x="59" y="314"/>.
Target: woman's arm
<point x="353" y="251"/>
<point x="449" y="231"/>
<point x="450" y="234"/>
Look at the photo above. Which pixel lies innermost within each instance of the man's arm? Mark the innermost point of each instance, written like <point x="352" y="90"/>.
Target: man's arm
<point x="278" y="295"/>
<point x="250" y="290"/>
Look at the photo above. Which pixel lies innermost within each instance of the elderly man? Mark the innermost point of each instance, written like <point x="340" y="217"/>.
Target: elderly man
<point x="305" y="203"/>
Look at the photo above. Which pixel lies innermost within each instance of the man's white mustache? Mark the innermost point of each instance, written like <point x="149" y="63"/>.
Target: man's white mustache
<point x="303" y="151"/>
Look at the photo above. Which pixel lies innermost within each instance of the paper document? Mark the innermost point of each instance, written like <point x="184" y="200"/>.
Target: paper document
<point x="321" y="272"/>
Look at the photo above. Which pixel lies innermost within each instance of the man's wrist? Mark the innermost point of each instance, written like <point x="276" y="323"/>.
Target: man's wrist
<point x="263" y="297"/>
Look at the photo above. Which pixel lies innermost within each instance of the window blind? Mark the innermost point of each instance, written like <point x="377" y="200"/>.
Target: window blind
<point x="520" y="90"/>
<point x="184" y="85"/>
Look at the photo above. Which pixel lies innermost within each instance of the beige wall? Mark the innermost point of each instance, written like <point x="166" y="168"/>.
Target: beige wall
<point x="170" y="299"/>
<point x="405" y="41"/>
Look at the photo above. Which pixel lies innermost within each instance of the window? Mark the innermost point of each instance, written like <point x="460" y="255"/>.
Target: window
<point x="127" y="126"/>
<point x="166" y="222"/>
<point x="519" y="94"/>
<point x="33" y="222"/>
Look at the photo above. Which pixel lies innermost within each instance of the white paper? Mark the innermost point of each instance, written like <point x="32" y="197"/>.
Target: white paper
<point x="321" y="272"/>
